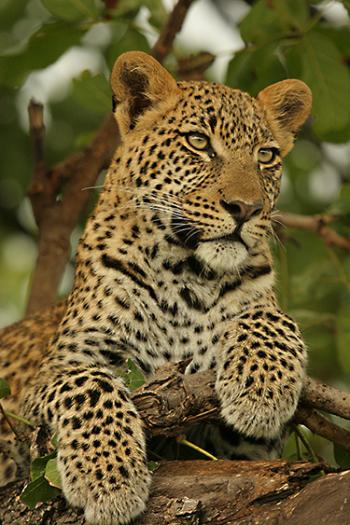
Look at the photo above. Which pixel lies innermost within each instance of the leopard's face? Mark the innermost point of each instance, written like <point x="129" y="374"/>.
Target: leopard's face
<point x="205" y="159"/>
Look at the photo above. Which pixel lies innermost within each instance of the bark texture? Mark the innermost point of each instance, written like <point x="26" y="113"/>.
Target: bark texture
<point x="217" y="493"/>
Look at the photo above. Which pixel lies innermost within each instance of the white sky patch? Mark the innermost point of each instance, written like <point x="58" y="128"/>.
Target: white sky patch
<point x="334" y="11"/>
<point x="205" y="30"/>
<point x="338" y="153"/>
<point x="53" y="82"/>
<point x="325" y="183"/>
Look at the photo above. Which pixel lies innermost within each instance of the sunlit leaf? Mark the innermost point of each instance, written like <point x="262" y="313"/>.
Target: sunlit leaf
<point x="38" y="465"/>
<point x="52" y="474"/>
<point x="133" y="377"/>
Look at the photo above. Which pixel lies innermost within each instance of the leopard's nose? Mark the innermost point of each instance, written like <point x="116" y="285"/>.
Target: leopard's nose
<point x="241" y="211"/>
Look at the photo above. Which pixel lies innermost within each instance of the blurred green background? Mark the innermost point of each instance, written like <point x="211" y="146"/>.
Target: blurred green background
<point x="60" y="52"/>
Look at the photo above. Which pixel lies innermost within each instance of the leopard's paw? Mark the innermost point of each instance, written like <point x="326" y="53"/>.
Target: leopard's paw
<point x="110" y="492"/>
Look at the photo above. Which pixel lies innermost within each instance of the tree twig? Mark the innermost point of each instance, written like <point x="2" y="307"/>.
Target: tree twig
<point x="317" y="224"/>
<point x="323" y="427"/>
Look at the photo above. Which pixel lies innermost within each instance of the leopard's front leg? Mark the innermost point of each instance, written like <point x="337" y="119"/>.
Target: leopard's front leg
<point x="101" y="446"/>
<point x="260" y="371"/>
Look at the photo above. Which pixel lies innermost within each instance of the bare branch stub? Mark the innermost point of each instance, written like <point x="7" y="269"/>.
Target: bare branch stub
<point x="174" y="24"/>
<point x="39" y="193"/>
<point x="325" y="397"/>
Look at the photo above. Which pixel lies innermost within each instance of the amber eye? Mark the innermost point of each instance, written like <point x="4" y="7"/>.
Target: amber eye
<point x="267" y="155"/>
<point x="197" y="141"/>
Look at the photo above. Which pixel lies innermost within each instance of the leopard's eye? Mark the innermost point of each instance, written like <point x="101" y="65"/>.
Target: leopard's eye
<point x="197" y="141"/>
<point x="267" y="155"/>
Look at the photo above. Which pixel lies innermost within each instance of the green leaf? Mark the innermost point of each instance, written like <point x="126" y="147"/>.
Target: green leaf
<point x="341" y="456"/>
<point x="152" y="465"/>
<point x="253" y="69"/>
<point x="45" y="46"/>
<point x="38" y="465"/>
<point x="125" y="39"/>
<point x="4" y="388"/>
<point x="346" y="4"/>
<point x="73" y="10"/>
<point x="92" y="92"/>
<point x="339" y="36"/>
<point x="343" y="337"/>
<point x="37" y="491"/>
<point x="317" y="61"/>
<point x="270" y="21"/>
<point x="10" y="12"/>
<point x="133" y="377"/>
<point x="158" y="13"/>
<point x="52" y="474"/>
<point x="260" y="23"/>
<point x="341" y="206"/>
<point x="127" y="9"/>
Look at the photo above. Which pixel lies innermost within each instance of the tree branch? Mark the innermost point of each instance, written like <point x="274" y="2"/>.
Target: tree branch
<point x="172" y="402"/>
<point x="219" y="493"/>
<point x="57" y="218"/>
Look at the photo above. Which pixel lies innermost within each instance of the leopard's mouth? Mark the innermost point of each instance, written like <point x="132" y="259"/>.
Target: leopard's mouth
<point x="234" y="236"/>
<point x="191" y="236"/>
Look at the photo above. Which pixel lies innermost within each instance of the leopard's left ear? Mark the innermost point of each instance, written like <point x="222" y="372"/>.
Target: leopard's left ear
<point x="286" y="104"/>
<point x="139" y="84"/>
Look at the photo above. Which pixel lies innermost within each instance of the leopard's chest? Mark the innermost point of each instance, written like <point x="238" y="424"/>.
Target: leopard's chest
<point x="185" y="322"/>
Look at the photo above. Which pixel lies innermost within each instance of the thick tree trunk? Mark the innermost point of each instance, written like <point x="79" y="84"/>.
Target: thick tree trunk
<point x="217" y="493"/>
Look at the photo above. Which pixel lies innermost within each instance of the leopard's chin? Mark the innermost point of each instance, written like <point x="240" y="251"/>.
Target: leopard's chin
<point x="223" y="256"/>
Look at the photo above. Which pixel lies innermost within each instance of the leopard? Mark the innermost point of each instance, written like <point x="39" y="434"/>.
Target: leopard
<point x="174" y="264"/>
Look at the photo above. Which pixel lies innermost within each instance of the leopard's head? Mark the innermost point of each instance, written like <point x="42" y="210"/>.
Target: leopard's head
<point x="203" y="158"/>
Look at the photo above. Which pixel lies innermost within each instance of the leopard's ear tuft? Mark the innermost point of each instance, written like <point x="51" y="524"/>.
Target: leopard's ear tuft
<point x="286" y="104"/>
<point x="139" y="84"/>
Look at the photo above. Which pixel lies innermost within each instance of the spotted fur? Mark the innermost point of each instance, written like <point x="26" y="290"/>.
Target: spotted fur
<point x="174" y="264"/>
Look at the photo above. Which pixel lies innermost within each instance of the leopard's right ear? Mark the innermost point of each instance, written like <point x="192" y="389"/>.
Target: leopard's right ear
<point x="139" y="84"/>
